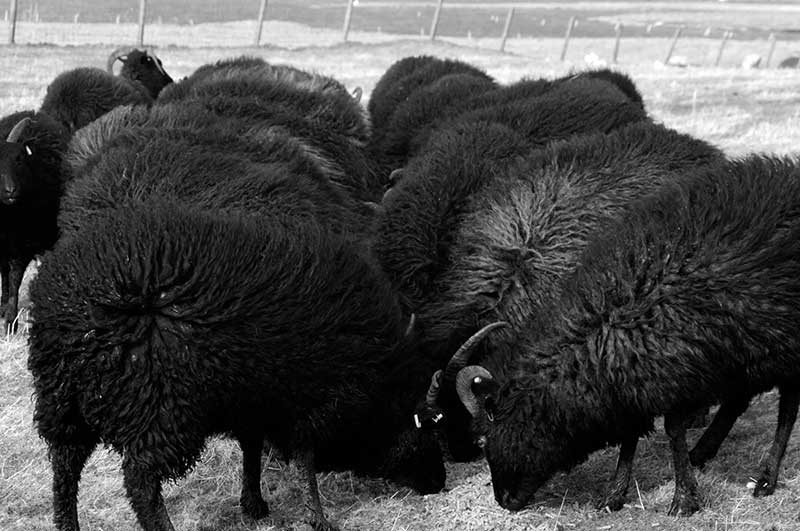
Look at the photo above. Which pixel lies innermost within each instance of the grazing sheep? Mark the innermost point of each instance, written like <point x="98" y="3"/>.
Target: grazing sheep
<point x="142" y="68"/>
<point x="211" y="170"/>
<point x="163" y="325"/>
<point x="30" y="186"/>
<point x="691" y="298"/>
<point x="518" y="239"/>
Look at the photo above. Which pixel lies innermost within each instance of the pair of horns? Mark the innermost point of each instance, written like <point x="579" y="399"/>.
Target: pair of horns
<point x="463" y="375"/>
<point x="16" y="132"/>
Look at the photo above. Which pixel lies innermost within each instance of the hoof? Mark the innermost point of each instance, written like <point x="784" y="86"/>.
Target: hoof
<point x="764" y="487"/>
<point x="683" y="506"/>
<point x="612" y="504"/>
<point x="255" y="508"/>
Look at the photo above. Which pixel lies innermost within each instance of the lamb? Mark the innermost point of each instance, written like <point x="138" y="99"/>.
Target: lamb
<point x="691" y="298"/>
<point x="165" y="324"/>
<point x="30" y="186"/>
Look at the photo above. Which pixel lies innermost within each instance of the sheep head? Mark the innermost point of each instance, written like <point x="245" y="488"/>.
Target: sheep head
<point x="141" y="66"/>
<point x="14" y="164"/>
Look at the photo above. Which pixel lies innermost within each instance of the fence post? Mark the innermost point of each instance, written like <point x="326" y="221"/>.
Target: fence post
<point x="12" y="22"/>
<point x="507" y="27"/>
<point x="570" y="25"/>
<point x="348" y="16"/>
<point x="261" y="12"/>
<point x="673" y="43"/>
<point x="725" y="36"/>
<point x="142" y="12"/>
<point x="618" y="37"/>
<point x="772" y="41"/>
<point x="435" y="22"/>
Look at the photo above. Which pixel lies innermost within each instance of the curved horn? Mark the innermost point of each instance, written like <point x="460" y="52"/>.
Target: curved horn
<point x="433" y="391"/>
<point x="396" y="176"/>
<point x="116" y="54"/>
<point x="357" y="93"/>
<point x="16" y="132"/>
<point x="157" y="61"/>
<point x="462" y="355"/>
<point x="471" y="374"/>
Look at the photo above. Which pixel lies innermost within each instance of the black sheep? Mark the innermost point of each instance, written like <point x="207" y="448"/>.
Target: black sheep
<point x="405" y="77"/>
<point x="690" y="299"/>
<point x="142" y="68"/>
<point x="31" y="182"/>
<point x="163" y="325"/>
<point x="517" y="240"/>
<point x="391" y="148"/>
<point x="79" y="96"/>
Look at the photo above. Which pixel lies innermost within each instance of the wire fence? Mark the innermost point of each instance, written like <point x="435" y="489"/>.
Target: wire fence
<point x="506" y="21"/>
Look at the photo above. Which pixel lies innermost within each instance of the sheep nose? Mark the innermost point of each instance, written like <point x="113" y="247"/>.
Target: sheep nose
<point x="510" y="502"/>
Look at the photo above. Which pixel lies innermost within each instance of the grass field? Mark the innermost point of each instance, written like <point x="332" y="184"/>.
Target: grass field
<point x="742" y="111"/>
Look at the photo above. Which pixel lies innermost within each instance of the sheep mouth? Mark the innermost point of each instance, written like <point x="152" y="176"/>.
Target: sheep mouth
<point x="9" y="199"/>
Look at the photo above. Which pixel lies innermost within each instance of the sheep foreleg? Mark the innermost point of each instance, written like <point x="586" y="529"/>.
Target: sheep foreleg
<point x="317" y="515"/>
<point x="707" y="447"/>
<point x="251" y="500"/>
<point x="144" y="491"/>
<point x="787" y="414"/>
<point x="67" y="462"/>
<point x="622" y="477"/>
<point x="685" y="502"/>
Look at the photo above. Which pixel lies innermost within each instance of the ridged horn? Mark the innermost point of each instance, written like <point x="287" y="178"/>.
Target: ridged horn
<point x="465" y="378"/>
<point x="17" y="131"/>
<point x="115" y="55"/>
<point x="433" y="391"/>
<point x="461" y="358"/>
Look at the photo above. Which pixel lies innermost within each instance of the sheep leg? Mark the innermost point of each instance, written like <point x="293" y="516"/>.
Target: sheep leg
<point x="251" y="500"/>
<point x="707" y="447"/>
<point x="622" y="476"/>
<point x="16" y="270"/>
<point x="685" y="502"/>
<point x="144" y="491"/>
<point x="4" y="274"/>
<point x="316" y="514"/>
<point x="67" y="462"/>
<point x="787" y="414"/>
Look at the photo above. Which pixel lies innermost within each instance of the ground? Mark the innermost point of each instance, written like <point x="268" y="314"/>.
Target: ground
<point x="740" y="110"/>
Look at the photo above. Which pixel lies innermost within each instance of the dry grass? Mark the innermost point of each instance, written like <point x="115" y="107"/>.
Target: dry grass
<point x="741" y="111"/>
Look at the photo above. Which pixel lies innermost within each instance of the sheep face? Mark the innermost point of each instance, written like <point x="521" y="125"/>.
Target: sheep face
<point x="14" y="171"/>
<point x="146" y="68"/>
<point x="522" y="454"/>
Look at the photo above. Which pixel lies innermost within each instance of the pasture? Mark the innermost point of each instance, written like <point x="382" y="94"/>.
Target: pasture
<point x="740" y="110"/>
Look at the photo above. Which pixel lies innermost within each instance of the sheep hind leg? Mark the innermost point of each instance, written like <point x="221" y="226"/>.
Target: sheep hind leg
<point x="316" y="515"/>
<point x="144" y="491"/>
<point x="685" y="502"/>
<point x="707" y="447"/>
<point x="622" y="476"/>
<point x="787" y="414"/>
<point x="251" y="500"/>
<point x="67" y="462"/>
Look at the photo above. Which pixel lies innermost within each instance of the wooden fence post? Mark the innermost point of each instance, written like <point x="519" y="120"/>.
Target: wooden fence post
<point x="142" y="11"/>
<point x="725" y="36"/>
<point x="348" y="16"/>
<point x="261" y="12"/>
<point x="618" y="37"/>
<point x="435" y="22"/>
<point x="507" y="27"/>
<point x="673" y="43"/>
<point x="12" y="22"/>
<point x="570" y="25"/>
<point x="772" y="41"/>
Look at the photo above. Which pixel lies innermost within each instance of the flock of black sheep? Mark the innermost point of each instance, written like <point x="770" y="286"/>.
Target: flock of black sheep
<point x="525" y="272"/>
